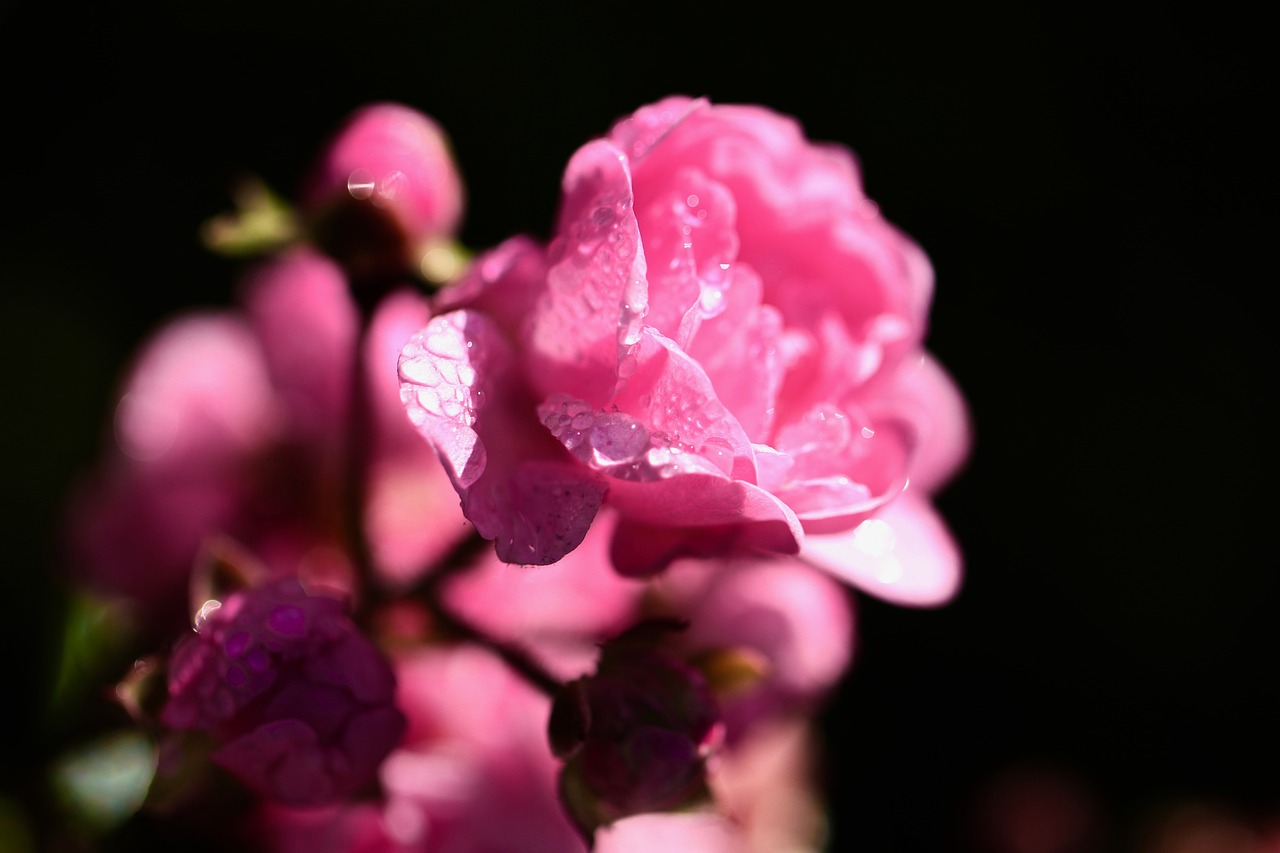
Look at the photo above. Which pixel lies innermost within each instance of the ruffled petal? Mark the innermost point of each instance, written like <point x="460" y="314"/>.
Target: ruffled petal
<point x="905" y="554"/>
<point x="690" y="244"/>
<point x="738" y="342"/>
<point x="697" y="515"/>
<point x="590" y="316"/>
<point x="835" y="466"/>
<point x="461" y="388"/>
<point x="444" y="370"/>
<point x="922" y="394"/>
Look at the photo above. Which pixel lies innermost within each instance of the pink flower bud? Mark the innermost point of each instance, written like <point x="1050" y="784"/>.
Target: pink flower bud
<point x="300" y="703"/>
<point x="384" y="188"/>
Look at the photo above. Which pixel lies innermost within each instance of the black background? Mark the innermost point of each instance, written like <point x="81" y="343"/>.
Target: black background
<point x="1088" y="182"/>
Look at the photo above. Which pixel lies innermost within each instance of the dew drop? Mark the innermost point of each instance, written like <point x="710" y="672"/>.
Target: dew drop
<point x="360" y="184"/>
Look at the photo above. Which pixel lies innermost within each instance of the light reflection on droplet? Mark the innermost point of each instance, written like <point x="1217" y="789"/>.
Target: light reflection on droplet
<point x="360" y="184"/>
<point x="867" y="432"/>
<point x="205" y="612"/>
<point x="874" y="537"/>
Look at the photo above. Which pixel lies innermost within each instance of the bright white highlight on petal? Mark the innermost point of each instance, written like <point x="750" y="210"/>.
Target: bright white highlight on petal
<point x="360" y="184"/>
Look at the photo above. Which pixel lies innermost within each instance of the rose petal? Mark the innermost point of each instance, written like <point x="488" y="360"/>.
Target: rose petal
<point x="411" y="512"/>
<point x="596" y="294"/>
<point x="905" y="554"/>
<point x="923" y="394"/>
<point x="443" y="370"/>
<point x="306" y="322"/>
<point x="699" y="515"/>
<point x="740" y="349"/>
<point x="705" y="832"/>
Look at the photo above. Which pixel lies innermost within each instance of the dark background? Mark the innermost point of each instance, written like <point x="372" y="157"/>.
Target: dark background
<point x="1089" y="183"/>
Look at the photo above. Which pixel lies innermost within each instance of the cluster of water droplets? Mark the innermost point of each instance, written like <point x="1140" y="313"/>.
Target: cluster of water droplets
<point x="619" y="445"/>
<point x="439" y="376"/>
<point x="611" y="442"/>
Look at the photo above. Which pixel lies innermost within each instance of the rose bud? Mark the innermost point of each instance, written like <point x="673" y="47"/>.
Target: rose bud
<point x="299" y="702"/>
<point x="635" y="735"/>
<point x="384" y="192"/>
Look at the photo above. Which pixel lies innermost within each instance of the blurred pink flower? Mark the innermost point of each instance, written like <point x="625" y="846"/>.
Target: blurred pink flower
<point x="299" y="702"/>
<point x="723" y="343"/>
<point x="384" y="189"/>
<point x="472" y="773"/>
<point x="239" y="423"/>
<point x="789" y="625"/>
<point x="558" y="613"/>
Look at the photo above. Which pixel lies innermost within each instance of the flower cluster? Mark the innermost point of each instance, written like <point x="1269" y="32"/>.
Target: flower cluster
<point x="688" y="425"/>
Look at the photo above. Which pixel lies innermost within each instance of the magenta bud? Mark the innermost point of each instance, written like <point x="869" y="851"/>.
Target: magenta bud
<point x="635" y="735"/>
<point x="300" y="703"/>
<point x="383" y="190"/>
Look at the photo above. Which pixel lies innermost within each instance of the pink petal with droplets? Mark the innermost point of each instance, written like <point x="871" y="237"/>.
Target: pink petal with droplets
<point x="462" y="391"/>
<point x="739" y="345"/>
<point x="905" y="554"/>
<point x="444" y="368"/>
<point x="596" y="297"/>
<point x="687" y="222"/>
<point x="839" y="466"/>
<point x="411" y="511"/>
<point x="548" y="508"/>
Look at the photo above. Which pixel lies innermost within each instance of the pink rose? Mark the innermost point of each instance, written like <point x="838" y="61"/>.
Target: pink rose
<point x="300" y="703"/>
<point x="723" y="343"/>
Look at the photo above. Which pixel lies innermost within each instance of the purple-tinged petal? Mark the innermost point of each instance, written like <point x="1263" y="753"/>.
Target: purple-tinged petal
<point x="460" y="387"/>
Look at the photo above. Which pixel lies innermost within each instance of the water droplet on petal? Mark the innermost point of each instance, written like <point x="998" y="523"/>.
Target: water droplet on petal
<point x="205" y="612"/>
<point x="874" y="537"/>
<point x="360" y="184"/>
